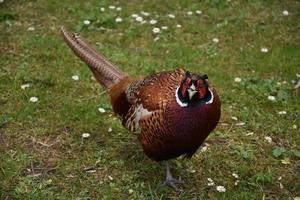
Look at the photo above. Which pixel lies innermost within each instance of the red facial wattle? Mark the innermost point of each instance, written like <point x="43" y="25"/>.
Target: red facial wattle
<point x="201" y="89"/>
<point x="185" y="87"/>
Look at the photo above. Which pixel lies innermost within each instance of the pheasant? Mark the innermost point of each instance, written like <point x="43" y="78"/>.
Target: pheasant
<point x="172" y="112"/>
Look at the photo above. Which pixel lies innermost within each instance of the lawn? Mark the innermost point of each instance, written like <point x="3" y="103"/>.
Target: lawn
<point x="48" y="98"/>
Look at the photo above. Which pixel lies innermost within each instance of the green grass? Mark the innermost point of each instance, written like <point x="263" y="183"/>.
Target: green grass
<point x="46" y="135"/>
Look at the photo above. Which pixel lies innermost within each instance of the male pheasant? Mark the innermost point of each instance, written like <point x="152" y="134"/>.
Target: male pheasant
<point x="172" y="112"/>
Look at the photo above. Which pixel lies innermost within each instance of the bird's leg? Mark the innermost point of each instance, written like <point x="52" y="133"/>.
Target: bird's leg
<point x="170" y="181"/>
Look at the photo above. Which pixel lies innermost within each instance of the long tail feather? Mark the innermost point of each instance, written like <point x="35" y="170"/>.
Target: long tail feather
<point x="104" y="71"/>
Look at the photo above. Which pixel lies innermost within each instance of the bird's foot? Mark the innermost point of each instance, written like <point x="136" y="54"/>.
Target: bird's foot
<point x="172" y="182"/>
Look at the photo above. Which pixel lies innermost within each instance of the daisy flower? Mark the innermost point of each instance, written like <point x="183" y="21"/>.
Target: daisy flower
<point x="155" y="30"/>
<point x="101" y="110"/>
<point x="221" y="188"/>
<point x="75" y="77"/>
<point x="264" y="50"/>
<point x="87" y="22"/>
<point x="171" y="16"/>
<point x="153" y="21"/>
<point x="33" y="99"/>
<point x="285" y="13"/>
<point x="119" y="19"/>
<point x="237" y="80"/>
<point x="85" y="135"/>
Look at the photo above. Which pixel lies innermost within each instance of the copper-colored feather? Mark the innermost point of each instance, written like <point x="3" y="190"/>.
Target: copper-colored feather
<point x="104" y="71"/>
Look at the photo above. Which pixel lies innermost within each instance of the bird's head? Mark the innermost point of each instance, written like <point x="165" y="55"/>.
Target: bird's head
<point x="194" y="88"/>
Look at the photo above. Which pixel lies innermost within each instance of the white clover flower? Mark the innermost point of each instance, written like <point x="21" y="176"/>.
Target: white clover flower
<point x="236" y="182"/>
<point x="102" y="9"/>
<point x="119" y="19"/>
<point x="178" y="26"/>
<point x="215" y="40"/>
<point x="1" y="1"/>
<point x="271" y="98"/>
<point x="237" y="79"/>
<point x="199" y="12"/>
<point x="138" y="19"/>
<point x="31" y="28"/>
<point x="189" y="13"/>
<point x="109" y="130"/>
<point x="101" y="110"/>
<point x="144" y="22"/>
<point x="164" y="27"/>
<point x="156" y="39"/>
<point x="282" y="112"/>
<point x="285" y="13"/>
<point x="130" y="191"/>
<point x="221" y="188"/>
<point x="87" y="22"/>
<point x="33" y="99"/>
<point x="235" y="175"/>
<point x="75" y="77"/>
<point x="112" y="7"/>
<point x="118" y="8"/>
<point x="171" y="16"/>
<point x="85" y="135"/>
<point x="153" y="21"/>
<point x="24" y="86"/>
<point x="264" y="50"/>
<point x="156" y="30"/>
<point x="268" y="138"/>
<point x="145" y="13"/>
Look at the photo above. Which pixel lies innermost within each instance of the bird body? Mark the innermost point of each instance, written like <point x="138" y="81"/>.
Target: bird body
<point x="166" y="128"/>
<point x="172" y="112"/>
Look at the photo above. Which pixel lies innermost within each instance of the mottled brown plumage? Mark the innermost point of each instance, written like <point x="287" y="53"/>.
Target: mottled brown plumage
<point x="172" y="112"/>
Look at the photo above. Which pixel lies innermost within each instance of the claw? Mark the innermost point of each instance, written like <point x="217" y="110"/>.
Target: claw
<point x="172" y="182"/>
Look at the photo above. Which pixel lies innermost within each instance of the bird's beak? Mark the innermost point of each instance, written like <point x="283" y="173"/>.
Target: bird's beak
<point x="192" y="91"/>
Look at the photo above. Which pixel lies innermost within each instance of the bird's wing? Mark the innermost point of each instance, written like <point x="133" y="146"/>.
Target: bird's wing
<point x="148" y="97"/>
